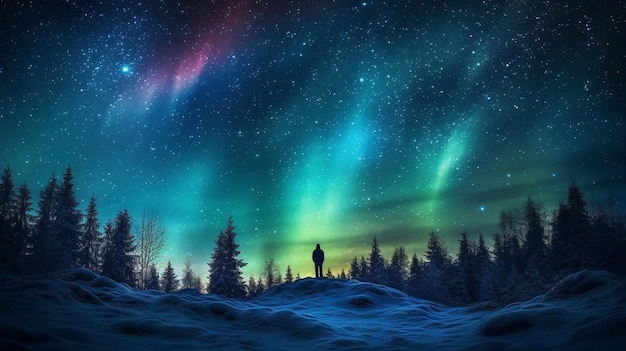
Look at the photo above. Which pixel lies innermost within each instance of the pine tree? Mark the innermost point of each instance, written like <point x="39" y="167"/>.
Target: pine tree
<point x="7" y="195"/>
<point x="608" y="242"/>
<point x="288" y="275"/>
<point x="91" y="240"/>
<point x="364" y="269"/>
<point x="152" y="283"/>
<point x="435" y="287"/>
<point x="376" y="264"/>
<point x="252" y="287"/>
<point x="10" y="247"/>
<point x="44" y="235"/>
<point x="465" y="283"/>
<point x="329" y="274"/>
<point x="571" y="232"/>
<point x="169" y="280"/>
<point x="67" y="223"/>
<point x="416" y="277"/>
<point x="355" y="269"/>
<point x="534" y="252"/>
<point x="398" y="270"/>
<point x="343" y="275"/>
<point x="260" y="287"/>
<point x="23" y="227"/>
<point x="119" y="261"/>
<point x="225" y="268"/>
<point x="485" y="272"/>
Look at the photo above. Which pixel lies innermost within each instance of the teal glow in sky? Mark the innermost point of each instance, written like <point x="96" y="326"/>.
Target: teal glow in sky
<point x="316" y="122"/>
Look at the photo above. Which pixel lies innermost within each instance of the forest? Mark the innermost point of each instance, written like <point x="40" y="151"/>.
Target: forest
<point x="532" y="249"/>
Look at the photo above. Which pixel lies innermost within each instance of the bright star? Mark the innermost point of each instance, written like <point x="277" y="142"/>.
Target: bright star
<point x="126" y="69"/>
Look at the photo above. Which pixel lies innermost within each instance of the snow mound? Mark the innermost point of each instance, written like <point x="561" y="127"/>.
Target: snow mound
<point x="78" y="309"/>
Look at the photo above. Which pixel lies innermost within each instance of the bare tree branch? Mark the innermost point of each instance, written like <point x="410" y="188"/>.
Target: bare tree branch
<point x="151" y="240"/>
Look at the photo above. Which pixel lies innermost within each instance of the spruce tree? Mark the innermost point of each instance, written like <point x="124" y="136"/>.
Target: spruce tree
<point x="67" y="223"/>
<point x="152" y="282"/>
<point x="91" y="239"/>
<point x="364" y="269"/>
<point x="225" y="277"/>
<point x="534" y="263"/>
<point x="10" y="247"/>
<point x="436" y="269"/>
<point x="329" y="274"/>
<point x="119" y="261"/>
<point x="355" y="269"/>
<point x="23" y="227"/>
<point x="376" y="264"/>
<point x="464" y="284"/>
<point x="169" y="280"/>
<point x="7" y="195"/>
<point x="252" y="287"/>
<point x="416" y="277"/>
<point x="571" y="233"/>
<point x="288" y="275"/>
<point x="44" y="236"/>
<point x="398" y="270"/>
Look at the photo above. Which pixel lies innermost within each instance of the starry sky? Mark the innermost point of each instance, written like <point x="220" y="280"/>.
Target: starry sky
<point x="316" y="121"/>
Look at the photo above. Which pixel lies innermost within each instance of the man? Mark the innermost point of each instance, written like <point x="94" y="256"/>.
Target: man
<point x="318" y="259"/>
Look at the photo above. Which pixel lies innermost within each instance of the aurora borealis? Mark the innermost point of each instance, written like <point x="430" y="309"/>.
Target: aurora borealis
<point x="320" y="121"/>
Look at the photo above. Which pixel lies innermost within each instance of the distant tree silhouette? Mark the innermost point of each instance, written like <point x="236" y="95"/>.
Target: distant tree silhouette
<point x="91" y="240"/>
<point x="271" y="273"/>
<point x="67" y="228"/>
<point x="119" y="260"/>
<point x="416" y="277"/>
<point x="225" y="268"/>
<point x="44" y="237"/>
<point x="343" y="275"/>
<point x="252" y="287"/>
<point x="10" y="236"/>
<point x="152" y="283"/>
<point x="435" y="272"/>
<point x="355" y="270"/>
<point x="534" y="264"/>
<point x="464" y="283"/>
<point x="398" y="269"/>
<point x="570" y="233"/>
<point x="608" y="242"/>
<point x="485" y="272"/>
<point x="150" y="243"/>
<point x="376" y="272"/>
<point x="259" y="289"/>
<point x="329" y="274"/>
<point x="190" y="279"/>
<point x="169" y="280"/>
<point x="288" y="275"/>
<point x="23" y="228"/>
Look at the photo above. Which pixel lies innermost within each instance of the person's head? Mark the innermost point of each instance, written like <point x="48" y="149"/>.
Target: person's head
<point x="318" y="246"/>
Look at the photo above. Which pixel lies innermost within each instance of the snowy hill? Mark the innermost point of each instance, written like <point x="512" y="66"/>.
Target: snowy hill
<point x="78" y="310"/>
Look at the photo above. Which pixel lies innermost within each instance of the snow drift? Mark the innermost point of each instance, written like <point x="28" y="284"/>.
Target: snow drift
<point x="78" y="310"/>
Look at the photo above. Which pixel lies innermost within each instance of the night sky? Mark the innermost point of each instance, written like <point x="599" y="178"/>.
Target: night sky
<point x="316" y="121"/>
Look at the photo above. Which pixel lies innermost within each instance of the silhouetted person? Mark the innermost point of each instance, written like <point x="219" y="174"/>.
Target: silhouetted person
<point x="318" y="259"/>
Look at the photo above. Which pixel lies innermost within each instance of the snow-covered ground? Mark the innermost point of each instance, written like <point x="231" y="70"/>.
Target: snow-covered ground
<point x="79" y="310"/>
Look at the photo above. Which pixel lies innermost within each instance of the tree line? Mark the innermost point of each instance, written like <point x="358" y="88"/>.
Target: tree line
<point x="531" y="250"/>
<point x="60" y="237"/>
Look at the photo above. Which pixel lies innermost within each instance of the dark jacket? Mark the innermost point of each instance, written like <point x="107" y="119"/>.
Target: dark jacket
<point x="318" y="255"/>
